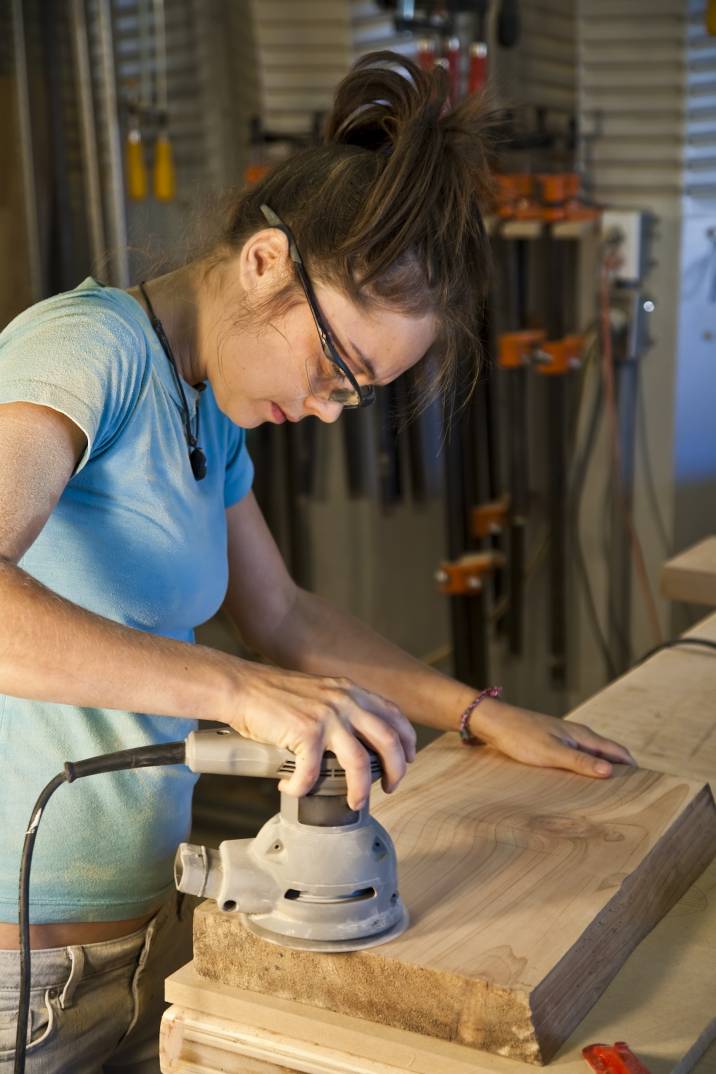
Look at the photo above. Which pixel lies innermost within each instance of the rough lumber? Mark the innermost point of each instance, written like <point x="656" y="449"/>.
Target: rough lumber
<point x="660" y="1003"/>
<point x="691" y="576"/>
<point x="527" y="889"/>
<point x="664" y="709"/>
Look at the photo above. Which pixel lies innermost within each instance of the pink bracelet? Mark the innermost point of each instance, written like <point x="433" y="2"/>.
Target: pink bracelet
<point x="468" y="739"/>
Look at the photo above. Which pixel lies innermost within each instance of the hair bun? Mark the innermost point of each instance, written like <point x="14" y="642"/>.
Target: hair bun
<point x="382" y="97"/>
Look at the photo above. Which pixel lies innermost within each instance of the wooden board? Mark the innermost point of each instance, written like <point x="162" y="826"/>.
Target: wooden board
<point x="691" y="576"/>
<point x="660" y="1003"/>
<point x="527" y="890"/>
<point x="664" y="710"/>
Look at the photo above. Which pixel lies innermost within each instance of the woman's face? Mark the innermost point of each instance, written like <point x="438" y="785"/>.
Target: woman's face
<point x="277" y="371"/>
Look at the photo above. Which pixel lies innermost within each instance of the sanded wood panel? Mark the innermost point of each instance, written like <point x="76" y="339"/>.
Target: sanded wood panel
<point x="661" y="1002"/>
<point x="527" y="889"/>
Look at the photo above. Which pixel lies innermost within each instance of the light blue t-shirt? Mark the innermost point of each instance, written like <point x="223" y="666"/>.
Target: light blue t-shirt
<point x="133" y="538"/>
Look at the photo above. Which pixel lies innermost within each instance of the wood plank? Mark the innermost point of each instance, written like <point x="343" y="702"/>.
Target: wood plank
<point x="691" y="576"/>
<point x="663" y="710"/>
<point x="527" y="890"/>
<point x="660" y="1003"/>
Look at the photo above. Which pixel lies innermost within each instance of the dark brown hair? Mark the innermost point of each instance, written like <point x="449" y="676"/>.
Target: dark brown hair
<point x="388" y="209"/>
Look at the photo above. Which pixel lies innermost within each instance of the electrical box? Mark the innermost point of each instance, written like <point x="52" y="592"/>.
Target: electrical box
<point x="626" y="228"/>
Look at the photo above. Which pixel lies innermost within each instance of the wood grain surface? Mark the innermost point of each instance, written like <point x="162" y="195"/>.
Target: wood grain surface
<point x="527" y="889"/>
<point x="660" y="1002"/>
<point x="691" y="576"/>
<point x="664" y="710"/>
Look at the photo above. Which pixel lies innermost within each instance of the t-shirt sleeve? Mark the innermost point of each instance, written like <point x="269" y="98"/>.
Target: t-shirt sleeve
<point x="239" y="467"/>
<point x="81" y="358"/>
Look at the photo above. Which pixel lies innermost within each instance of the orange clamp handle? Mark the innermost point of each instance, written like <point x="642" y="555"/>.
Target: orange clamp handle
<point x="515" y="349"/>
<point x="562" y="356"/>
<point x="489" y="518"/>
<point x="464" y="577"/>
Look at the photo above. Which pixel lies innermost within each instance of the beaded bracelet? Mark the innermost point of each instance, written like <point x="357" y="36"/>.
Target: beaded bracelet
<point x="466" y="736"/>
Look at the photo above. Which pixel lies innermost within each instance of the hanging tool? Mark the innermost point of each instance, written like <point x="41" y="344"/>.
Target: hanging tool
<point x="710" y="17"/>
<point x="164" y="171"/>
<point x="426" y="53"/>
<point x="452" y="56"/>
<point x="137" y="108"/>
<point x="137" y="181"/>
<point x="477" y="69"/>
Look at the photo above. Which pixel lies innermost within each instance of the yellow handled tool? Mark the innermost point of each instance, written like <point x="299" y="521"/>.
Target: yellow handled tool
<point x="136" y="168"/>
<point x="165" y="185"/>
<point x="711" y="17"/>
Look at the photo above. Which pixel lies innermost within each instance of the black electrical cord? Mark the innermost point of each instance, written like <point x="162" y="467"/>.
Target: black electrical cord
<point x="576" y="486"/>
<point x="648" y="471"/>
<point x="672" y="643"/>
<point x="140" y="757"/>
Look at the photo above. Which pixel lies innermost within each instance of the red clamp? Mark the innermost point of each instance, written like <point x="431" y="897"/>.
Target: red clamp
<point x="613" y="1059"/>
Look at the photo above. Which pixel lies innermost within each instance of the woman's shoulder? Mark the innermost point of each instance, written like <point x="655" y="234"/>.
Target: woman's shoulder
<point x="89" y="310"/>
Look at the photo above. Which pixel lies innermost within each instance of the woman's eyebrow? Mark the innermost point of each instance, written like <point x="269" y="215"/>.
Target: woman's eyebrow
<point x="366" y="362"/>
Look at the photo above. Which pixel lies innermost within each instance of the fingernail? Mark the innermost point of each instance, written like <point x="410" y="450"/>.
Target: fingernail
<point x="603" y="768"/>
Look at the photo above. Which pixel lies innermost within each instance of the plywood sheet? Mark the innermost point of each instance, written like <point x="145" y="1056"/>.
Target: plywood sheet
<point x="527" y="890"/>
<point x="691" y="576"/>
<point x="660" y="1002"/>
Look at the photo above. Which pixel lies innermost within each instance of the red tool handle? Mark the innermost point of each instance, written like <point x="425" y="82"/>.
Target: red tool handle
<point x="452" y="53"/>
<point x="613" y="1059"/>
<point x="477" y="76"/>
<point x="426" y="53"/>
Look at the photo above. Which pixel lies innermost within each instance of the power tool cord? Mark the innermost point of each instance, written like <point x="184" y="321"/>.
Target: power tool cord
<point x="140" y="757"/>
<point x="673" y="642"/>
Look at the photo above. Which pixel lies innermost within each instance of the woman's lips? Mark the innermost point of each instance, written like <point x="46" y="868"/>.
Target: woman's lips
<point x="278" y="415"/>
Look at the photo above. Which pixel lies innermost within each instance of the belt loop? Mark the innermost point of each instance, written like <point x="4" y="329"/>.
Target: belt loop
<point x="77" y="958"/>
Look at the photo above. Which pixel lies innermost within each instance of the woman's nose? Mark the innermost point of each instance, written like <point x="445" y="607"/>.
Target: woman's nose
<point x="324" y="409"/>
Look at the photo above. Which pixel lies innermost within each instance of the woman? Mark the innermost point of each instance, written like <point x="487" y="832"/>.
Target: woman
<point x="125" y="521"/>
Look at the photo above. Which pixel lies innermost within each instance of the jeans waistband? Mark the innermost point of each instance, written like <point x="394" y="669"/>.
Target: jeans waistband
<point x="51" y="965"/>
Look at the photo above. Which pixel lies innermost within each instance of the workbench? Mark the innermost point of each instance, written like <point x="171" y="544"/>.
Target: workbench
<point x="662" y="1001"/>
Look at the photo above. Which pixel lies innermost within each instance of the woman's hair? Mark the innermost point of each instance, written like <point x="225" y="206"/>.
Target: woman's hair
<point x="388" y="209"/>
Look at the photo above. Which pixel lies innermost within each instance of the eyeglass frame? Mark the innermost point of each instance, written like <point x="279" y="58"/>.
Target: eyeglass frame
<point x="365" y="393"/>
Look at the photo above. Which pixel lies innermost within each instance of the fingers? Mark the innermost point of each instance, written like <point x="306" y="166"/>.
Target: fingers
<point x="385" y="740"/>
<point x="309" y="714"/>
<point x="590" y="741"/>
<point x="308" y="749"/>
<point x="354" y="759"/>
<point x="574" y="760"/>
<point x="393" y="716"/>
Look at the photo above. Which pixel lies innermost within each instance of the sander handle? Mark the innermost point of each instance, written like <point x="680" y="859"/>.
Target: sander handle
<point x="224" y="752"/>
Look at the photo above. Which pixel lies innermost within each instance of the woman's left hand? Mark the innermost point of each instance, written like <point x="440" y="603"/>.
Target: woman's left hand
<point x="547" y="741"/>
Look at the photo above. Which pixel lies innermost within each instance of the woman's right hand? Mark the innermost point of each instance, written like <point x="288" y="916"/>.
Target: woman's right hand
<point x="309" y="714"/>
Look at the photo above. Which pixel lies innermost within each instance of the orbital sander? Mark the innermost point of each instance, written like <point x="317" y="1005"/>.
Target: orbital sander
<point x="318" y="876"/>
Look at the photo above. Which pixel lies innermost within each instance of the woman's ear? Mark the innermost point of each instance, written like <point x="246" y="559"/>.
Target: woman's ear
<point x="264" y="263"/>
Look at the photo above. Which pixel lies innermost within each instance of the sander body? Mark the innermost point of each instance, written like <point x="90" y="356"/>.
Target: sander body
<point x="318" y="876"/>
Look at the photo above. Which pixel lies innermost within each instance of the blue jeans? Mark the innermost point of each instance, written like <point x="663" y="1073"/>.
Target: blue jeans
<point x="96" y="1008"/>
